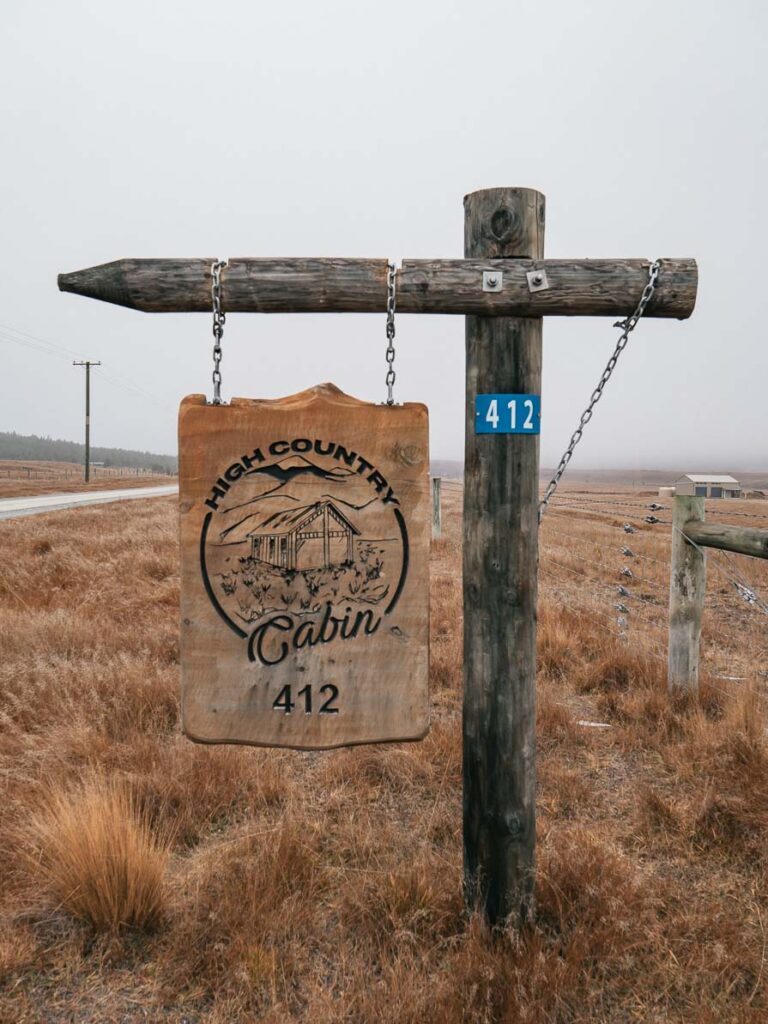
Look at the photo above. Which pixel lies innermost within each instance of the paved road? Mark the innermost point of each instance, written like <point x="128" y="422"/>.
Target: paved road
<point x="10" y="508"/>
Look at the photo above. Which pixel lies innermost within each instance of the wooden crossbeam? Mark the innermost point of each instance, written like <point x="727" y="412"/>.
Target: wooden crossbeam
<point x="251" y="285"/>
<point x="744" y="540"/>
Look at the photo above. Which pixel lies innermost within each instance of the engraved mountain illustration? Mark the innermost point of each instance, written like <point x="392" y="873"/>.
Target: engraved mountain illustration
<point x="284" y="542"/>
<point x="284" y="471"/>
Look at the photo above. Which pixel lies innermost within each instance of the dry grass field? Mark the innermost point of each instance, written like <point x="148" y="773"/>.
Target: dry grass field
<point x="144" y="878"/>
<point x="25" y="479"/>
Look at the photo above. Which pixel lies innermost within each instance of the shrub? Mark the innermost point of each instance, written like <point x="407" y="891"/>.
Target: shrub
<point x="95" y="853"/>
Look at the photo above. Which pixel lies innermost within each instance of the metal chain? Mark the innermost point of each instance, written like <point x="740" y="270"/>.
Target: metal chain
<point x="219" y="319"/>
<point x="391" y="298"/>
<point x="627" y="326"/>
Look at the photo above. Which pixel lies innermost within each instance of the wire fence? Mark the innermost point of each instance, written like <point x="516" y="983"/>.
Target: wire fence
<point x="607" y="558"/>
<point x="23" y="472"/>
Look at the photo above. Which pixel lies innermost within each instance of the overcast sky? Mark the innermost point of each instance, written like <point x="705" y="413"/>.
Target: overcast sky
<point x="355" y="129"/>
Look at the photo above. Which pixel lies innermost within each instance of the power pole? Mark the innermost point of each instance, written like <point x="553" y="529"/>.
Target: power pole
<point x="87" y="364"/>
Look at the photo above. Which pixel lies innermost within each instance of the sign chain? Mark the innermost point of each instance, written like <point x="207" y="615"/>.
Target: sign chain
<point x="627" y="326"/>
<point x="219" y="319"/>
<point x="391" y="298"/>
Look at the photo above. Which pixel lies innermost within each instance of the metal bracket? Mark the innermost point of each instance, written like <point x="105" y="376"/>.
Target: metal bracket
<point x="492" y="280"/>
<point x="537" y="280"/>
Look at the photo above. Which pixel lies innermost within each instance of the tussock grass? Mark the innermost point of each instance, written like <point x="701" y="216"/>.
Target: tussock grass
<point x="93" y="849"/>
<point x="326" y="887"/>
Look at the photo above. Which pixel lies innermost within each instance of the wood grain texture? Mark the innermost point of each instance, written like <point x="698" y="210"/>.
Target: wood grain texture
<point x="305" y="527"/>
<point x="500" y="574"/>
<point x="743" y="540"/>
<point x="687" y="589"/>
<point x="247" y="285"/>
<point x="576" y="287"/>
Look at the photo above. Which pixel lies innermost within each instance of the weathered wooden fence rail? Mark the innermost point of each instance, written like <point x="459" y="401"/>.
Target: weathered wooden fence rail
<point x="742" y="540"/>
<point x="687" y="582"/>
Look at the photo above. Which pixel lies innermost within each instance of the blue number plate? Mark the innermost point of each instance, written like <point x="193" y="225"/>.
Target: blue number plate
<point x="508" y="414"/>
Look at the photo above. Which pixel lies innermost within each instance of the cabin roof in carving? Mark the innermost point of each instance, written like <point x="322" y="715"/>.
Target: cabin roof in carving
<point x="291" y="519"/>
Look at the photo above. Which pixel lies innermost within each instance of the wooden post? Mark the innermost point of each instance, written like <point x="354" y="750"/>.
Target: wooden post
<point x="687" y="585"/>
<point x="87" y="421"/>
<point x="501" y="497"/>
<point x="87" y="363"/>
<point x="437" y="524"/>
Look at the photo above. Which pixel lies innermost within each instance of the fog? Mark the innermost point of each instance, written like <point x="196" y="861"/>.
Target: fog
<point x="355" y="129"/>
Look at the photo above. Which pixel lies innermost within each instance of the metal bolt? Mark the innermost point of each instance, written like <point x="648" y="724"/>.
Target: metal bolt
<point x="493" y="281"/>
<point x="537" y="280"/>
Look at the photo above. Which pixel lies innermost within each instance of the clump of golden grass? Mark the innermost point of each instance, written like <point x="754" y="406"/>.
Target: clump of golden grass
<point x="93" y="849"/>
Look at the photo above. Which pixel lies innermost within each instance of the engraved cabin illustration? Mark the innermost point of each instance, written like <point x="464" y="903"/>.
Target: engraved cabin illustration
<point x="317" y="536"/>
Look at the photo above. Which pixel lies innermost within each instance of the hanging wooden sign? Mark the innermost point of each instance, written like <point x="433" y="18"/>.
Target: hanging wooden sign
<point x="304" y="568"/>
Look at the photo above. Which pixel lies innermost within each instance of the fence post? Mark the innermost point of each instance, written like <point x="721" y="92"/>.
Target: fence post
<point x="501" y="529"/>
<point x="437" y="526"/>
<point x="687" y="587"/>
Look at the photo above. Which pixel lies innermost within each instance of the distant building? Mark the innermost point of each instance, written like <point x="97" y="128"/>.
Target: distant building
<point x="315" y="536"/>
<point x="708" y="485"/>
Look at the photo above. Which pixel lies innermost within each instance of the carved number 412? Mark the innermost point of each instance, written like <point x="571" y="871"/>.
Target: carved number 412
<point x="284" y="702"/>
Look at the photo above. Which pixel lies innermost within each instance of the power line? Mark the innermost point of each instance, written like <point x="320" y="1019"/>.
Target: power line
<point x="113" y="377"/>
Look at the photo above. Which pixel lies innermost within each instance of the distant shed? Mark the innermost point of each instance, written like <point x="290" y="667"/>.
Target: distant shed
<point x="708" y="485"/>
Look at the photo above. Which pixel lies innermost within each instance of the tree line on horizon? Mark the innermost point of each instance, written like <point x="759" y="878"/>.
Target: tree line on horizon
<point x="15" y="446"/>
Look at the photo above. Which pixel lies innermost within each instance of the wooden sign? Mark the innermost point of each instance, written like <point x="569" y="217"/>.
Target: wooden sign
<point x="304" y="566"/>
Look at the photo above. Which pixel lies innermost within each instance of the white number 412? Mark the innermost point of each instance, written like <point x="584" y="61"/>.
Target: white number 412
<point x="492" y="416"/>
